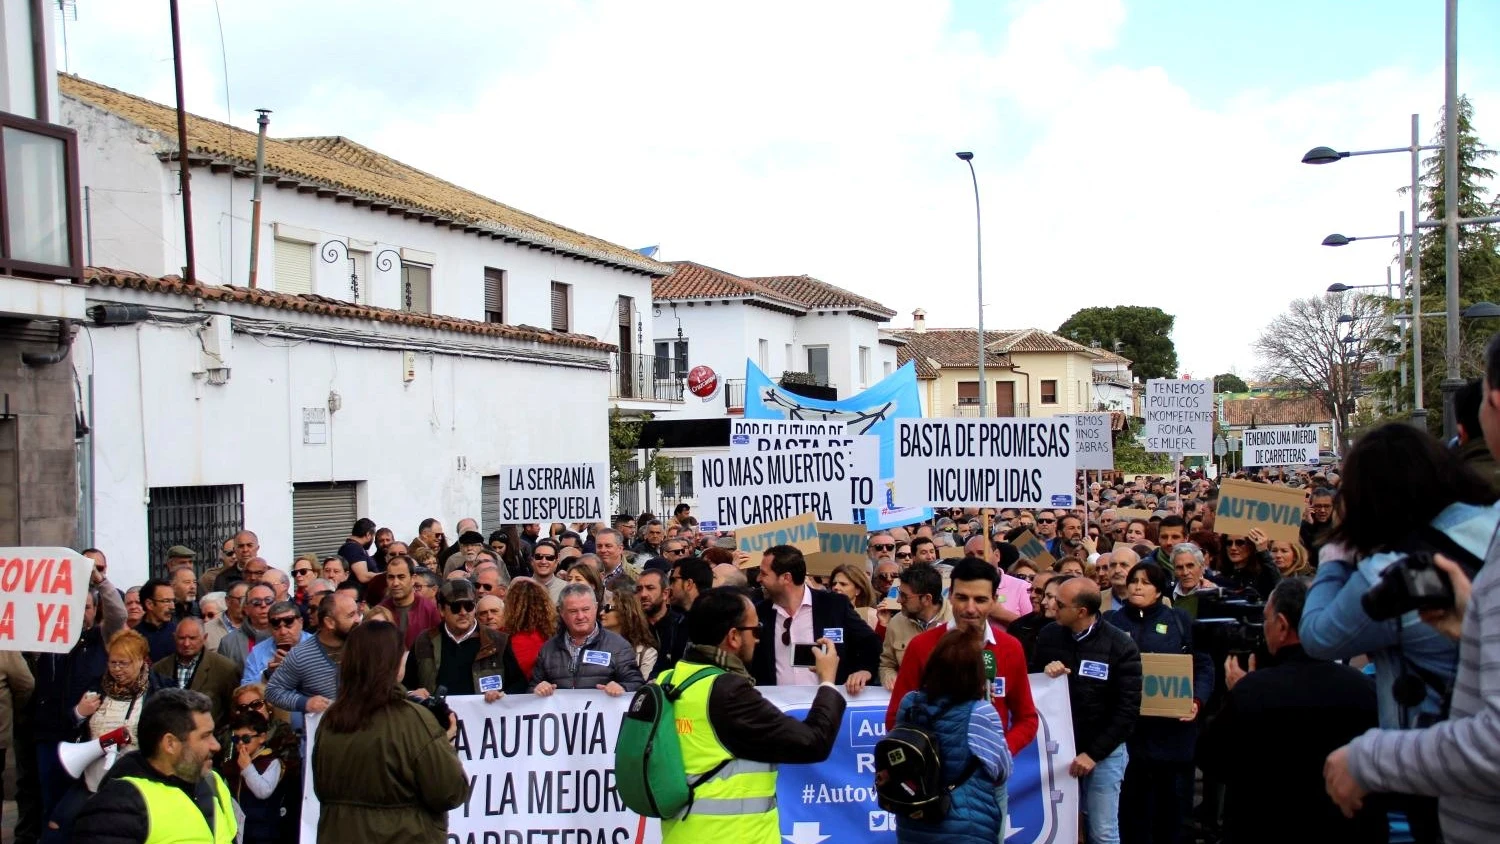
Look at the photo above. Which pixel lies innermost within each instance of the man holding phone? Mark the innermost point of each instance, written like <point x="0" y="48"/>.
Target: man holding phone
<point x="793" y="614"/>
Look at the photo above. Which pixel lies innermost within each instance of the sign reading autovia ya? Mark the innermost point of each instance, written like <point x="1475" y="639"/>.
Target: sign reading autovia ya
<point x="985" y="462"/>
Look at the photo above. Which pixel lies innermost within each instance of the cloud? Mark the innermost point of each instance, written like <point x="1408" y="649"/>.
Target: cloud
<point x="792" y="137"/>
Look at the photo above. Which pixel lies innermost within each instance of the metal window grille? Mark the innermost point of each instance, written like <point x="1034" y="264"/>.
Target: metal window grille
<point x="200" y="517"/>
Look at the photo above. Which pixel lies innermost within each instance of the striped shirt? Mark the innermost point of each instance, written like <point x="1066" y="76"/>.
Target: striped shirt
<point x="987" y="741"/>
<point x="1458" y="760"/>
<point x="306" y="672"/>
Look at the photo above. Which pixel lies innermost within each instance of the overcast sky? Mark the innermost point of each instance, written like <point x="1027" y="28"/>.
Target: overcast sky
<point x="1129" y="151"/>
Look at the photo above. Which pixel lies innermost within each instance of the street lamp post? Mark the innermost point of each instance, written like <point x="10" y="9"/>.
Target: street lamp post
<point x="968" y="158"/>
<point x="1419" y="412"/>
<point x="1328" y="155"/>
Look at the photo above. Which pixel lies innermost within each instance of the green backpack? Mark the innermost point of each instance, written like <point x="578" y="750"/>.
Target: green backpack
<point x="648" y="757"/>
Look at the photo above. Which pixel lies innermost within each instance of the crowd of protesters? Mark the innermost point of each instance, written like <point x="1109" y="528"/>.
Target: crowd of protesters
<point x="1290" y="675"/>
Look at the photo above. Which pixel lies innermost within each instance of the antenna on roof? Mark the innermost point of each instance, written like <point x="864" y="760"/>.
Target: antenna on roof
<point x="66" y="9"/>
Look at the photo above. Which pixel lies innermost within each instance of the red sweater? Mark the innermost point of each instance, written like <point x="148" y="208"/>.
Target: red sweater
<point x="1017" y="711"/>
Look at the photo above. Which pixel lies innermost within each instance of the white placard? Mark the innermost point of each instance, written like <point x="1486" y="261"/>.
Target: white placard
<point x="739" y="490"/>
<point x="768" y="434"/>
<point x="41" y="598"/>
<point x="1281" y="445"/>
<point x="1093" y="442"/>
<point x="1180" y="416"/>
<point x="553" y="492"/>
<point x="1003" y="462"/>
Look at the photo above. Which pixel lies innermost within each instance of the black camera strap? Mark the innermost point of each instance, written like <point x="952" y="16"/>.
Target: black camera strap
<point x="1445" y="544"/>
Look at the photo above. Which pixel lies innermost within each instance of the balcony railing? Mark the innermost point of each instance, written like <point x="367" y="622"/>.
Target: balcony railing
<point x="734" y="394"/>
<point x="972" y="409"/>
<point x="637" y="377"/>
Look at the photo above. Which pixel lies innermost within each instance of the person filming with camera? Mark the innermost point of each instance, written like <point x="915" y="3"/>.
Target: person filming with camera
<point x="1456" y="761"/>
<point x="1403" y="498"/>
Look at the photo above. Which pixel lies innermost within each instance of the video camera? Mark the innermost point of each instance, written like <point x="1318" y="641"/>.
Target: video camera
<point x="1413" y="582"/>
<point x="436" y="705"/>
<point x="1230" y="622"/>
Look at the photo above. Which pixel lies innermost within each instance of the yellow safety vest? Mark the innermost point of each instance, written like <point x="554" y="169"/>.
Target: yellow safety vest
<point x="174" y="818"/>
<point x="738" y="802"/>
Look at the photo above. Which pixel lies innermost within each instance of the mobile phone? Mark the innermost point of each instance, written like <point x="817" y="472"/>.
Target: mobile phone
<point x="802" y="656"/>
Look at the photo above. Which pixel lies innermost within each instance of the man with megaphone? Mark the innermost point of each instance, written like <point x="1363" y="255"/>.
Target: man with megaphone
<point x="166" y="790"/>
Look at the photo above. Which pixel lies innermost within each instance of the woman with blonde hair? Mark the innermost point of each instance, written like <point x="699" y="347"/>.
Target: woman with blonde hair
<point x="1290" y="558"/>
<point x="623" y="615"/>
<point x="854" y="584"/>
<point x="589" y="576"/>
<point x="530" y="619"/>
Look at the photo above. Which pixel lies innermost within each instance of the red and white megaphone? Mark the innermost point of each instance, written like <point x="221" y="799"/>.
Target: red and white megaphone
<point x="77" y="756"/>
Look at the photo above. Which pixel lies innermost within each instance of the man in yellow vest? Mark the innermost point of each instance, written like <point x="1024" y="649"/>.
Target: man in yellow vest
<point x="165" y="792"/>
<point x="732" y="734"/>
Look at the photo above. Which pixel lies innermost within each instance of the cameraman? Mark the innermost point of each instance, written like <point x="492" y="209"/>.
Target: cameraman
<point x="1455" y="761"/>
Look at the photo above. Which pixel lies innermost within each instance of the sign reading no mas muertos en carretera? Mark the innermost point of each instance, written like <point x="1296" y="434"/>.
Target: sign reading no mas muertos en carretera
<point x="1180" y="416"/>
<point x="553" y="492"/>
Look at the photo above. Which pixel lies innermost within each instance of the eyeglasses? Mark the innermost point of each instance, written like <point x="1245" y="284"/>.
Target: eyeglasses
<point x="667" y="551"/>
<point x="459" y="607"/>
<point x="543" y="557"/>
<point x="301" y="572"/>
<point x="786" y="631"/>
<point x="121" y="663"/>
<point x="289" y="621"/>
<point x="751" y="630"/>
<point x="260" y="602"/>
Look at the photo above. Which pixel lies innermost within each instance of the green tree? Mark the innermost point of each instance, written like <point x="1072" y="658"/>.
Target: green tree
<point x="1228" y="382"/>
<point x="1144" y="335"/>
<point x="1131" y="456"/>
<point x="1478" y="261"/>
<point x="624" y="446"/>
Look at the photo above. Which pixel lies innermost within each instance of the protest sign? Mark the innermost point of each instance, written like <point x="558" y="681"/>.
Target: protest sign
<point x="1129" y="515"/>
<point x="985" y="462"/>
<point x="800" y="531"/>
<point x="543" y="770"/>
<point x="1035" y="550"/>
<point x="1282" y="445"/>
<point x="1180" y="416"/>
<point x="950" y="552"/>
<point x="553" y="492"/>
<point x="872" y="412"/>
<point x="1167" y="685"/>
<point x="837" y="545"/>
<point x="1276" y="510"/>
<point x="41" y="598"/>
<point x="781" y="434"/>
<point x="1093" y="441"/>
<point x="743" y="490"/>
<point x="864" y="452"/>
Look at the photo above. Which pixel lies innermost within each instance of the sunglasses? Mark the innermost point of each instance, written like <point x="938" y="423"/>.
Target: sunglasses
<point x="607" y="608"/>
<point x="484" y="587"/>
<point x="461" y="606"/>
<point x="260" y="602"/>
<point x="786" y="632"/>
<point x="250" y="707"/>
<point x="543" y="556"/>
<point x="890" y="547"/>
<point x="903" y="555"/>
<point x="301" y="572"/>
<point x="1046" y="521"/>
<point x="1234" y="542"/>
<point x="284" y="622"/>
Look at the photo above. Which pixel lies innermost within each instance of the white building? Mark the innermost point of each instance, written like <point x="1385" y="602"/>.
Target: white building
<point x="387" y="365"/>
<point x="783" y="324"/>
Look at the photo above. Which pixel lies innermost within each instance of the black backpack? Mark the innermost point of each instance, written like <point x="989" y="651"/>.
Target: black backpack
<point x="909" y="772"/>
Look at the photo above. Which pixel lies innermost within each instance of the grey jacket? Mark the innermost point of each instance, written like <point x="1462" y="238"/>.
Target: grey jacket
<point x="556" y="665"/>
<point x="237" y="644"/>
<point x="1454" y="760"/>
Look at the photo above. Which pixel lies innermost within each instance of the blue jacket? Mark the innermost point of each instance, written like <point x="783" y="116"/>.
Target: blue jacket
<point x="974" y="814"/>
<point x="1160" y="629"/>
<point x="1335" y="626"/>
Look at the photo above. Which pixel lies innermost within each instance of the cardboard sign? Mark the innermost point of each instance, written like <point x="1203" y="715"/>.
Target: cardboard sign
<point x="1128" y="515"/>
<point x="799" y="531"/>
<point x="553" y="492"/>
<point x="41" y="598"/>
<point x="837" y="545"/>
<point x="1180" y="416"/>
<point x="1282" y="445"/>
<point x="949" y="552"/>
<point x="1277" y="510"/>
<point x="1167" y="685"/>
<point x="1035" y="550"/>
<point x="1003" y="462"/>
<point x="747" y="489"/>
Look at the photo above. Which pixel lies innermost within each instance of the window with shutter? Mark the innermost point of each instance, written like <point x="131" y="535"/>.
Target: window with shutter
<point x="968" y="392"/>
<point x="627" y="307"/>
<point x="494" y="295"/>
<point x="561" y="318"/>
<point x="322" y="514"/>
<point x="294" y="266"/>
<point x="489" y="504"/>
<point x="416" y="288"/>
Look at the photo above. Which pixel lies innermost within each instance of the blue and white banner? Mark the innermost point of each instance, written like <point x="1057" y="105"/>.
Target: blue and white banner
<point x="543" y="770"/>
<point x="872" y="412"/>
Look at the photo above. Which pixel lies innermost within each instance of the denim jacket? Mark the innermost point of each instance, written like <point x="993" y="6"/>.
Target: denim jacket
<point x="1335" y="626"/>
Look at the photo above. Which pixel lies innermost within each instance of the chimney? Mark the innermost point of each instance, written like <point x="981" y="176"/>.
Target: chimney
<point x="919" y="321"/>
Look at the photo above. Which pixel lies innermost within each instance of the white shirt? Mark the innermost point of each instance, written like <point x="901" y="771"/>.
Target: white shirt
<point x="989" y="631"/>
<point x="802" y="634"/>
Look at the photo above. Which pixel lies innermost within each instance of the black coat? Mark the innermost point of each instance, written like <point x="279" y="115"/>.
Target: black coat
<point x="1160" y="629"/>
<point x="860" y="650"/>
<point x="1105" y="711"/>
<point x="671" y="640"/>
<point x="1267" y="745"/>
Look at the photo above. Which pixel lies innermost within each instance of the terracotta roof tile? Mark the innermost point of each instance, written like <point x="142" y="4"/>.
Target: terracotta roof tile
<point x="1274" y="411"/>
<point x="820" y="294"/>
<point x="341" y="164"/>
<point x="952" y="347"/>
<point x="324" y="306"/>
<point x="697" y="281"/>
<point x="1037" y="340"/>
